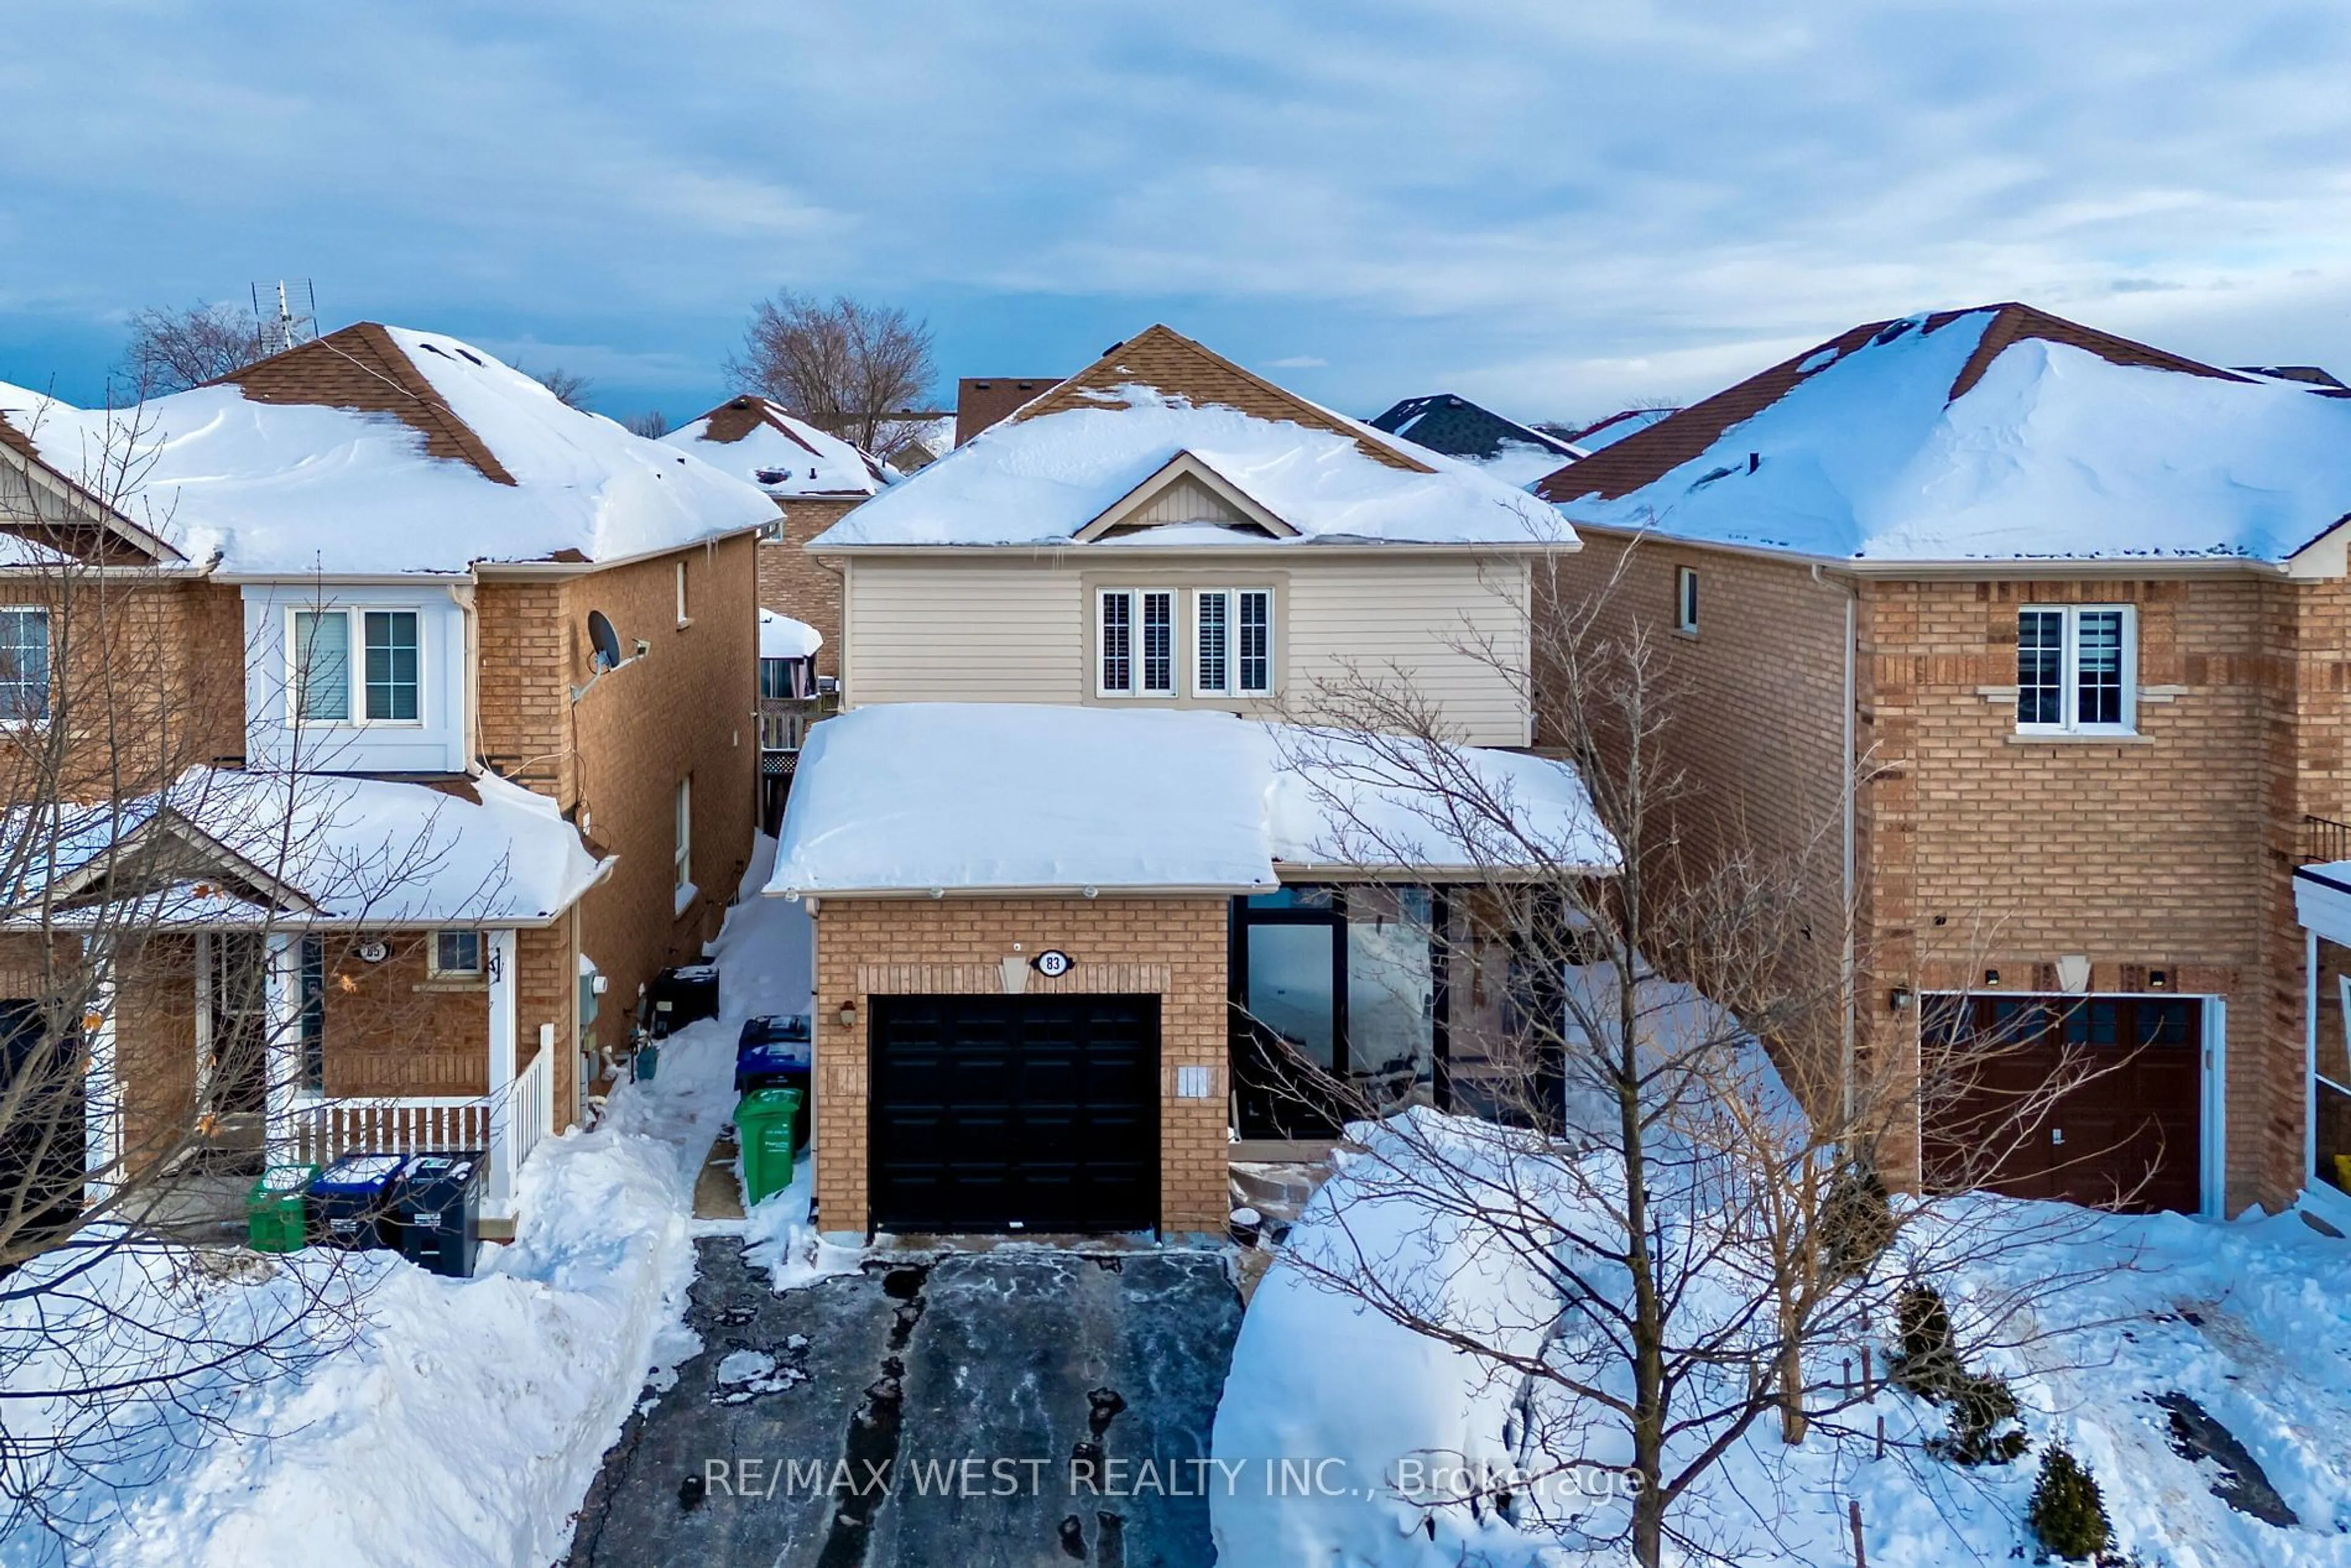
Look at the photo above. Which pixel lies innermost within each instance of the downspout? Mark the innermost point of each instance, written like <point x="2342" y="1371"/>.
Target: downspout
<point x="1848" y="959"/>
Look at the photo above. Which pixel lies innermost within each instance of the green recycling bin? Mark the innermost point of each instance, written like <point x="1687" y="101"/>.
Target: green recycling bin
<point x="277" y="1210"/>
<point x="767" y="1123"/>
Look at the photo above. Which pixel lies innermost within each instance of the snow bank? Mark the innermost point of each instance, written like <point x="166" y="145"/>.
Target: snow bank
<point x="1040" y="481"/>
<point x="2242" y="1318"/>
<point x="916" y="796"/>
<point x="295" y="488"/>
<point x="2056" y="452"/>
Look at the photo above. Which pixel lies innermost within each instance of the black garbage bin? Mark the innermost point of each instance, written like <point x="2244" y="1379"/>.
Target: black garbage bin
<point x="682" y="994"/>
<point x="440" y="1211"/>
<point x="352" y="1202"/>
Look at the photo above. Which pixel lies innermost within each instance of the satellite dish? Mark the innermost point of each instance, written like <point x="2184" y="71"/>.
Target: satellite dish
<point x="605" y="640"/>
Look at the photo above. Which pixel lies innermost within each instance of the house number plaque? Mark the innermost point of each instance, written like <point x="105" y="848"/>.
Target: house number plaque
<point x="1053" y="963"/>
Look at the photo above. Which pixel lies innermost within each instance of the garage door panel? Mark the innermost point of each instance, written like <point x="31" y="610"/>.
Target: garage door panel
<point x="1002" y="1113"/>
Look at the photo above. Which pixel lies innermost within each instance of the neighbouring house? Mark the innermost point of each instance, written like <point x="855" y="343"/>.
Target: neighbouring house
<point x="490" y="662"/>
<point x="984" y="400"/>
<point x="815" y="479"/>
<point x="2072" y="610"/>
<point x="1167" y="528"/>
<point x="1055" y="945"/>
<point x="790" y="699"/>
<point x="1513" y="452"/>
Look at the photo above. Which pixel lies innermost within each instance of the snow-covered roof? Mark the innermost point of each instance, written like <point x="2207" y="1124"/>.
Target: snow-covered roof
<point x="754" y="438"/>
<point x="1999" y="433"/>
<point x="960" y="797"/>
<point x="1501" y="449"/>
<point x="781" y="637"/>
<point x="380" y="449"/>
<point x="322" y="848"/>
<point x="1072" y="454"/>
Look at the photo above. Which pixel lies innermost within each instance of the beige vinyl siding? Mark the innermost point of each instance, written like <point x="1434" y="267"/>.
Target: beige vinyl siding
<point x="1417" y="614"/>
<point x="966" y="630"/>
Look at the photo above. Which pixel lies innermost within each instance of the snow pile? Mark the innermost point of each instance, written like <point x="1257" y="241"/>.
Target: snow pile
<point x="297" y="488"/>
<point x="777" y="1236"/>
<point x="1041" y="480"/>
<point x="2055" y="452"/>
<point x="916" y="796"/>
<point x="784" y="456"/>
<point x="781" y="637"/>
<point x="2242" y="1319"/>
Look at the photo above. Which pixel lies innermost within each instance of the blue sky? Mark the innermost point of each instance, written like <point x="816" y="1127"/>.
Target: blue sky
<point x="1555" y="208"/>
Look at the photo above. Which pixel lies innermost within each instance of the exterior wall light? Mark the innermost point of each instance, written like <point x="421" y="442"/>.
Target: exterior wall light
<point x="1901" y="999"/>
<point x="849" y="1014"/>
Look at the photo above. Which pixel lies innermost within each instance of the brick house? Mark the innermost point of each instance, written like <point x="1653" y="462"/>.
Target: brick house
<point x="2072" y="609"/>
<point x="440" y="620"/>
<point x="1098" y="586"/>
<point x="1051" y="944"/>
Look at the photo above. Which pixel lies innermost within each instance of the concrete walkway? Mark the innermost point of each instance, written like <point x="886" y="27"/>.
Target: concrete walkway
<point x="1013" y="1407"/>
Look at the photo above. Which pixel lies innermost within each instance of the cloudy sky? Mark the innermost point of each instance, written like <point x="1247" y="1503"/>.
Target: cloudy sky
<point x="1553" y="207"/>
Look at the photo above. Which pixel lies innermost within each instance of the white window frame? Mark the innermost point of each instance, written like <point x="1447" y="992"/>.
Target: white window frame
<point x="681" y="856"/>
<point x="2069" y="670"/>
<point x="39" y="612"/>
<point x="1135" y="601"/>
<point x="685" y="618"/>
<point x="1272" y="645"/>
<point x="439" y="971"/>
<point x="1685" y="600"/>
<point x="1228" y="599"/>
<point x="355" y="667"/>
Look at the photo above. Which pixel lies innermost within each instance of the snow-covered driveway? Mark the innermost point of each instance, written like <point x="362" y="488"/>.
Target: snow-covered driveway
<point x="969" y="1381"/>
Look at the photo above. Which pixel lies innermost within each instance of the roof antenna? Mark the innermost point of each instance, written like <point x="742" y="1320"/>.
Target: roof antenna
<point x="283" y="327"/>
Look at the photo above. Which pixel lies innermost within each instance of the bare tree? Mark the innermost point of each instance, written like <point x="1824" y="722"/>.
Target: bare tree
<point x="172" y="350"/>
<point x="652" y="424"/>
<point x="1672" y="1154"/>
<point x="570" y="389"/>
<point x="158" y="1005"/>
<point x="847" y="367"/>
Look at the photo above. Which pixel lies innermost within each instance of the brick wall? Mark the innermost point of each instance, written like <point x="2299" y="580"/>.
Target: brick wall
<point x="394" y="1029"/>
<point x="795" y="583"/>
<point x="883" y="946"/>
<point x="684" y="710"/>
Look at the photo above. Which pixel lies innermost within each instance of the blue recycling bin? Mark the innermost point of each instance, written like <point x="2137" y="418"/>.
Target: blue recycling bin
<point x="774" y="1049"/>
<point x="439" y="1210"/>
<point x="352" y="1200"/>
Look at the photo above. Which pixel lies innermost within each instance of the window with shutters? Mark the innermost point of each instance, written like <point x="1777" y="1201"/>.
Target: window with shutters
<point x="1136" y="646"/>
<point x="1232" y="642"/>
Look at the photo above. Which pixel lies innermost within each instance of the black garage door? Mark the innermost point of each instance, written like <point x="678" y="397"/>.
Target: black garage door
<point x="1036" y="1114"/>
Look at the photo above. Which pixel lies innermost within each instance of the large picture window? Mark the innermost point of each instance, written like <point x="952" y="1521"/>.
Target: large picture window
<point x="2075" y="669"/>
<point x="24" y="665"/>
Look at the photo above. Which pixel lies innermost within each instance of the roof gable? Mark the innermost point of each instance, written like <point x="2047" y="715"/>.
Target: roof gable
<point x="1185" y="490"/>
<point x="1176" y="367"/>
<point x="1459" y="428"/>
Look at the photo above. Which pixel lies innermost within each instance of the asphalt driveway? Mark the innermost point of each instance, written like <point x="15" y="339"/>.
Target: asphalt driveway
<point x="1012" y="1408"/>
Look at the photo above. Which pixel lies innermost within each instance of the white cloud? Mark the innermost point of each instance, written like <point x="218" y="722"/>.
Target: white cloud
<point x="1551" y="208"/>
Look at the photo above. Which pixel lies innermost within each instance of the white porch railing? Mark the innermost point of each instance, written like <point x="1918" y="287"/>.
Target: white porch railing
<point x="322" y="1130"/>
<point x="532" y="1106"/>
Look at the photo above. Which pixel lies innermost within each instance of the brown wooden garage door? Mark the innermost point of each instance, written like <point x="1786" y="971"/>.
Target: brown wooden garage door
<point x="1036" y="1114"/>
<point x="2131" y="1131"/>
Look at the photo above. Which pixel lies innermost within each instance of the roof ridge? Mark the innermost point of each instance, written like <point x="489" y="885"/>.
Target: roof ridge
<point x="2013" y="322"/>
<point x="1158" y="339"/>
